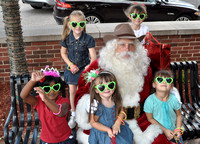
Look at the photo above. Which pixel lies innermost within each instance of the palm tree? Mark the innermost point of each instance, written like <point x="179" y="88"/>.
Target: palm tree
<point x="15" y="45"/>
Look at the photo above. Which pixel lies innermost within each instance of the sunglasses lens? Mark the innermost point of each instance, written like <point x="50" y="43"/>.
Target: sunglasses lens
<point x="111" y="85"/>
<point x="82" y="24"/>
<point x="56" y="87"/>
<point x="47" y="89"/>
<point x="101" y="88"/>
<point x="169" y="80"/>
<point x="159" y="79"/>
<point x="134" y="16"/>
<point x="142" y="16"/>
<point x="74" y="24"/>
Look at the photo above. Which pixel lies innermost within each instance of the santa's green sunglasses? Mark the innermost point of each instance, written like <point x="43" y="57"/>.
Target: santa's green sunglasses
<point x="168" y="80"/>
<point x="102" y="87"/>
<point x="81" y="24"/>
<point x="55" y="87"/>
<point x="141" y="16"/>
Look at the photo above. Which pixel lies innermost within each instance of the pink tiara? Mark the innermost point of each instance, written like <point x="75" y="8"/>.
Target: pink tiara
<point x="50" y="72"/>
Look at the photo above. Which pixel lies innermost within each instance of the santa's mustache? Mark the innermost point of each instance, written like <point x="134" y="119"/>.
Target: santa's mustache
<point x="131" y="55"/>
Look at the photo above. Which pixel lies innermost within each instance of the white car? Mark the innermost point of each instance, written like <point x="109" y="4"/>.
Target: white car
<point x="38" y="4"/>
<point x="196" y="3"/>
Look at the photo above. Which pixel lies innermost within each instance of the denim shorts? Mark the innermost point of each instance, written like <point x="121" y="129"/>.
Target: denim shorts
<point x="70" y="140"/>
<point x="72" y="78"/>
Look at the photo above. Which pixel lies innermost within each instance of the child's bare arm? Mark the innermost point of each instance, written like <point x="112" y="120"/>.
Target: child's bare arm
<point x="55" y="108"/>
<point x="168" y="133"/>
<point x="178" y="118"/>
<point x="178" y="122"/>
<point x="95" y="124"/>
<point x="93" y="56"/>
<point x="25" y="93"/>
<point x="117" y="124"/>
<point x="64" y="55"/>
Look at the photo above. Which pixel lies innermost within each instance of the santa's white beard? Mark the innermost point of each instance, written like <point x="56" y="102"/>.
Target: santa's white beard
<point x="129" y="72"/>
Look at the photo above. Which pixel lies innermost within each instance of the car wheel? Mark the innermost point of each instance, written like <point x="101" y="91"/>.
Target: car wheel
<point x="93" y="19"/>
<point x="184" y="18"/>
<point x="36" y="7"/>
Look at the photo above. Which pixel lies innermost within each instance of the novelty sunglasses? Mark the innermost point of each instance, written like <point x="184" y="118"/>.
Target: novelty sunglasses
<point x="168" y="80"/>
<point x="55" y="87"/>
<point x="141" y="16"/>
<point x="81" y="24"/>
<point x="102" y="87"/>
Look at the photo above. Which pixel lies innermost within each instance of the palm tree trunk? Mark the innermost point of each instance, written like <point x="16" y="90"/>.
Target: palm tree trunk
<point x="15" y="45"/>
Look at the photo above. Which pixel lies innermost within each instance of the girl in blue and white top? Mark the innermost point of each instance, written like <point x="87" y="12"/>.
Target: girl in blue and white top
<point x="78" y="51"/>
<point x="164" y="108"/>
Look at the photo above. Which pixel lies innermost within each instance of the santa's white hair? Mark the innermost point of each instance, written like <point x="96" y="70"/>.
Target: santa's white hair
<point x="129" y="72"/>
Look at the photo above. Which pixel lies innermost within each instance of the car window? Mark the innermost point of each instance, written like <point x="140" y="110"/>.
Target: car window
<point x="137" y="0"/>
<point x="151" y="0"/>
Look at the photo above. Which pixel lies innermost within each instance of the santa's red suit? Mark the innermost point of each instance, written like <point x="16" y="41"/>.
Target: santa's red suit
<point x="144" y="131"/>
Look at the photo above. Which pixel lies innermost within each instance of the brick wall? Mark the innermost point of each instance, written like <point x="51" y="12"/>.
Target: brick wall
<point x="40" y="54"/>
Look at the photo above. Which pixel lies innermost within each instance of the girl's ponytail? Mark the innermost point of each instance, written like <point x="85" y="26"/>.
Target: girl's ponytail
<point x="66" y="29"/>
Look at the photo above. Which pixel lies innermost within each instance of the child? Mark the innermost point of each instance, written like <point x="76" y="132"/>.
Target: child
<point x="50" y="104"/>
<point x="77" y="50"/>
<point x="106" y="115"/>
<point x="137" y="13"/>
<point x="163" y="108"/>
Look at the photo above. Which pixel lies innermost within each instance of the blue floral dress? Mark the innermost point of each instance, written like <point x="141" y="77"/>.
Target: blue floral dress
<point x="107" y="117"/>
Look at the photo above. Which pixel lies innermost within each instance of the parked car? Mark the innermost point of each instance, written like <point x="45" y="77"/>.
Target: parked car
<point x="107" y="11"/>
<point x="38" y="4"/>
<point x="194" y="2"/>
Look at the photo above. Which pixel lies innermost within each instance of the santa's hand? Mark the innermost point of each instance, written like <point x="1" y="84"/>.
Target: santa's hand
<point x="86" y="66"/>
<point x="116" y="129"/>
<point x="41" y="93"/>
<point x="110" y="133"/>
<point x="169" y="134"/>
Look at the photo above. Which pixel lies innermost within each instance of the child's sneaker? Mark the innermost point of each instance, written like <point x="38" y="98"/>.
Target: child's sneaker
<point x="72" y="122"/>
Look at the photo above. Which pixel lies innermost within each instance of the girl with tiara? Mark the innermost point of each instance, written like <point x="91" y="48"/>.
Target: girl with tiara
<point x="51" y="104"/>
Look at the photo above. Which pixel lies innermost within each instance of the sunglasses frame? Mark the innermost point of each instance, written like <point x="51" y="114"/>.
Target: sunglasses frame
<point x="106" y="86"/>
<point x="51" y="88"/>
<point x="164" y="79"/>
<point x="78" y="24"/>
<point x="138" y="15"/>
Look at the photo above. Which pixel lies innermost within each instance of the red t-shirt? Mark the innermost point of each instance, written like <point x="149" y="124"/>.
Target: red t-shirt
<point x="54" y="129"/>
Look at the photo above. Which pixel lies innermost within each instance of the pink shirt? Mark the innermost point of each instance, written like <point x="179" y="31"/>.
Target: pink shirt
<point x="54" y="129"/>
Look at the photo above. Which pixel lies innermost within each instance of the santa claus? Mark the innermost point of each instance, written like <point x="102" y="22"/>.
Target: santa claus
<point x="127" y="59"/>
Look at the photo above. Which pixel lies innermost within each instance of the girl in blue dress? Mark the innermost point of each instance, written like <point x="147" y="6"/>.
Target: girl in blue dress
<point x="106" y="114"/>
<point x="164" y="108"/>
<point x="77" y="51"/>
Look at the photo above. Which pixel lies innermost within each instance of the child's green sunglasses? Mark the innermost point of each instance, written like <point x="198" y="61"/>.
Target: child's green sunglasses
<point x="168" y="80"/>
<point x="81" y="24"/>
<point x="102" y="87"/>
<point x="141" y="16"/>
<point x="55" y="87"/>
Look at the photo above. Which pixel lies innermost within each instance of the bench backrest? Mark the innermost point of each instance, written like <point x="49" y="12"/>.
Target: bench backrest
<point x="186" y="80"/>
<point x="22" y="118"/>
